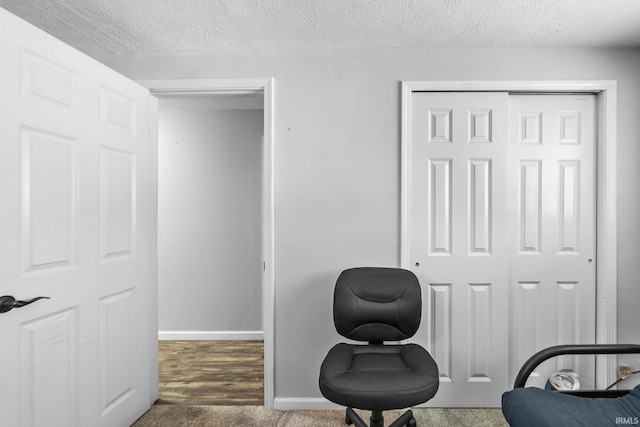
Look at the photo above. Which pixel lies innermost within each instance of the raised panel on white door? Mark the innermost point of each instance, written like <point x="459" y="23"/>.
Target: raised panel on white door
<point x="568" y="320"/>
<point x="569" y="207"/>
<point x="440" y="126"/>
<point x="480" y="206"/>
<point x="116" y="349"/>
<point x="439" y="327"/>
<point x="569" y="127"/>
<point x="480" y="323"/>
<point x="117" y="110"/>
<point x="530" y="197"/>
<point x="117" y="203"/>
<point x="49" y="200"/>
<point x="480" y="125"/>
<point x="46" y="81"/>
<point x="440" y="207"/>
<point x="530" y="128"/>
<point x="524" y="318"/>
<point x="49" y="370"/>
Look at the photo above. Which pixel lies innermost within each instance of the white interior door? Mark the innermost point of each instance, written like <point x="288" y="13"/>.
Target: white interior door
<point x="76" y="225"/>
<point x="552" y="207"/>
<point x="459" y="248"/>
<point x="501" y="228"/>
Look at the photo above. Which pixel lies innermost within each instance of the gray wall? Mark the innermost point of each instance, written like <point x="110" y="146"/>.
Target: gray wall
<point x="337" y="160"/>
<point x="209" y="220"/>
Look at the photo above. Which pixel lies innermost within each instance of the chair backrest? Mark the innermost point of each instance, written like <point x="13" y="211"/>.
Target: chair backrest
<point x="377" y="304"/>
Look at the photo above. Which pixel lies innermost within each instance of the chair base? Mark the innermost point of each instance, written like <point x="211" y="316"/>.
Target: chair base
<point x="377" y="420"/>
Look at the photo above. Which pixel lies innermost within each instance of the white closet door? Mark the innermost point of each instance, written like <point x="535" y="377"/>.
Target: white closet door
<point x="502" y="235"/>
<point x="459" y="245"/>
<point x="553" y="204"/>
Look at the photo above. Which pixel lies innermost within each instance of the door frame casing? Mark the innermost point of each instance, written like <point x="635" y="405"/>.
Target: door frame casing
<point x="606" y="200"/>
<point x="200" y="87"/>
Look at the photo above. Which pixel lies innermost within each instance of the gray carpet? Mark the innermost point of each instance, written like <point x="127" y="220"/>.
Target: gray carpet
<point x="247" y="416"/>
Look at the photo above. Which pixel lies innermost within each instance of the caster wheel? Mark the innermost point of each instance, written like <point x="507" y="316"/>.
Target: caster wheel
<point x="347" y="420"/>
<point x="411" y="422"/>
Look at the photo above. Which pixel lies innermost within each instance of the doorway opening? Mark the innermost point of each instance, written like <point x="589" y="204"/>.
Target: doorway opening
<point x="215" y="221"/>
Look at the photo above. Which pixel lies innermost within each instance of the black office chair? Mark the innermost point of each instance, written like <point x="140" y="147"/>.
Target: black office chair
<point x="376" y="305"/>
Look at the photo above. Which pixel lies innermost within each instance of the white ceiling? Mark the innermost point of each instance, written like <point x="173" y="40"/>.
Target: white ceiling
<point x="122" y="26"/>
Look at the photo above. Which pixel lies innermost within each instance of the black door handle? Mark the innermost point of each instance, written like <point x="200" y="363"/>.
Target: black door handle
<point x="8" y="303"/>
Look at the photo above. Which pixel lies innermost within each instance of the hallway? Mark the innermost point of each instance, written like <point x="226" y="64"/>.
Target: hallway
<point x="211" y="373"/>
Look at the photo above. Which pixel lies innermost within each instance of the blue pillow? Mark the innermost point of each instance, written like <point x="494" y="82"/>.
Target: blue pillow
<point x="535" y="407"/>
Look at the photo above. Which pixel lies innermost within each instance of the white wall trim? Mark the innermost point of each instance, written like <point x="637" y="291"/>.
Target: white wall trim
<point x="153" y="248"/>
<point x="302" y="403"/>
<point x="210" y="335"/>
<point x="606" y="233"/>
<point x="606" y="258"/>
<point x="182" y="87"/>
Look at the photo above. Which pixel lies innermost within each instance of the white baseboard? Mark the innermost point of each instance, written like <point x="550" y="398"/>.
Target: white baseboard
<point x="211" y="335"/>
<point x="300" y="403"/>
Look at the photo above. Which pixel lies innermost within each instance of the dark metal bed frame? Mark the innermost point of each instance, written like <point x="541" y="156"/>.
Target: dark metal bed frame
<point x="535" y="360"/>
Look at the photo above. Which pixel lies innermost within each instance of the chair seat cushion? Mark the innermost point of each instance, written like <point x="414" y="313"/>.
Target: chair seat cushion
<point x="535" y="407"/>
<point x="378" y="377"/>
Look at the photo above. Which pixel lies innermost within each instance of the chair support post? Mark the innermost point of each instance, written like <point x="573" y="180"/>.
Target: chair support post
<point x="376" y="419"/>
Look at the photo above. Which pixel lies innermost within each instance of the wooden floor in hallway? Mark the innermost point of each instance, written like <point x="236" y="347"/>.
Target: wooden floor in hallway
<point x="211" y="372"/>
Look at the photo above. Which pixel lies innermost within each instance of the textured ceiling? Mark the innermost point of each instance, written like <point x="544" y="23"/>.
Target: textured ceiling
<point x="99" y="26"/>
